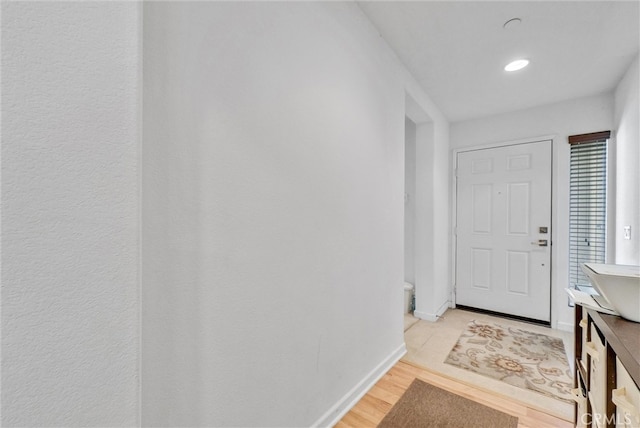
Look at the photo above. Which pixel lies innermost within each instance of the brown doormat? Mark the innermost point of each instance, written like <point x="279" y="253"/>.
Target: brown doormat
<point x="424" y="405"/>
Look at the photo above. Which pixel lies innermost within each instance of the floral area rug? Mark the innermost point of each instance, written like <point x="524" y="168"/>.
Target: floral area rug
<point x="521" y="358"/>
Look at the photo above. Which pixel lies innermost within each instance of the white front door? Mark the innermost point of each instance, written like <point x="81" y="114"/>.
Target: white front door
<point x="503" y="233"/>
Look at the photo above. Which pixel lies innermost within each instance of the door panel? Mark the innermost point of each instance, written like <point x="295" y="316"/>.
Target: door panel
<point x="503" y="199"/>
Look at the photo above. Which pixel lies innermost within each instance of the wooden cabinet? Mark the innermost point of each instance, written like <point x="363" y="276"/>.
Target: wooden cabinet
<point x="607" y="371"/>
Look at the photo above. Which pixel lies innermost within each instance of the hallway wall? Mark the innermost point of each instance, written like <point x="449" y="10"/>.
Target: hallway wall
<point x="627" y="141"/>
<point x="70" y="326"/>
<point x="272" y="211"/>
<point x="262" y="251"/>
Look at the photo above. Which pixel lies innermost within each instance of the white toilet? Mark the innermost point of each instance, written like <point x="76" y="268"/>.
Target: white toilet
<point x="408" y="297"/>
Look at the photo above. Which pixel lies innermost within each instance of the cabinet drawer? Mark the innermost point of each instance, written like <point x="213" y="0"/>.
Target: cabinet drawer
<point x="584" y="326"/>
<point x="597" y="373"/>
<point x="580" y="396"/>
<point x="626" y="397"/>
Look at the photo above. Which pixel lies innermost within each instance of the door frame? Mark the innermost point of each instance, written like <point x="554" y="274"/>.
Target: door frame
<point x="454" y="210"/>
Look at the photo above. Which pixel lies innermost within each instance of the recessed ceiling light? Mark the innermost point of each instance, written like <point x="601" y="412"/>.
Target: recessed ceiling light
<point x="516" y="65"/>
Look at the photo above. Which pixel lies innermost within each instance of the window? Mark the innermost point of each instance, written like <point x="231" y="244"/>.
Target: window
<point x="588" y="204"/>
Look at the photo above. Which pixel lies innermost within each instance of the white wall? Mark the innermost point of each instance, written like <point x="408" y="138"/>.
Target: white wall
<point x="627" y="141"/>
<point x="410" y="201"/>
<point x="69" y="214"/>
<point x="577" y="116"/>
<point x="442" y="218"/>
<point x="432" y="221"/>
<point x="432" y="261"/>
<point x="272" y="211"/>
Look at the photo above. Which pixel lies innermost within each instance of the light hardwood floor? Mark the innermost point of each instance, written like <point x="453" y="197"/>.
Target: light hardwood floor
<point x="372" y="408"/>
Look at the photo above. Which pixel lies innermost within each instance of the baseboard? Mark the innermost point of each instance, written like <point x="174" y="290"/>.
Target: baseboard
<point x="351" y="398"/>
<point x="565" y="326"/>
<point x="432" y="317"/>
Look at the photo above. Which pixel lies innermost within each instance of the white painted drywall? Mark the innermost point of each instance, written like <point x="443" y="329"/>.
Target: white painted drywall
<point x="441" y="218"/>
<point x="577" y="116"/>
<point x="410" y="199"/>
<point x="273" y="189"/>
<point x="70" y="214"/>
<point x="627" y="141"/>
<point x="272" y="241"/>
<point x="432" y="261"/>
<point x="425" y="259"/>
<point x="432" y="221"/>
<point x="431" y="229"/>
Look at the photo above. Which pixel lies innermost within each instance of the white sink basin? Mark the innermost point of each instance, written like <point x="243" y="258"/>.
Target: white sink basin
<point x="619" y="284"/>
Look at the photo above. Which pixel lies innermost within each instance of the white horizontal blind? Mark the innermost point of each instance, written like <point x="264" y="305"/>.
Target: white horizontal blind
<point x="588" y="209"/>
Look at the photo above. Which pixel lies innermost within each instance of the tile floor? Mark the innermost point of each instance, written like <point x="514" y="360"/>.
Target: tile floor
<point x="429" y="343"/>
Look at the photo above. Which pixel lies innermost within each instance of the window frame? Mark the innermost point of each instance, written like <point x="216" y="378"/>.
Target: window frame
<point x="588" y="203"/>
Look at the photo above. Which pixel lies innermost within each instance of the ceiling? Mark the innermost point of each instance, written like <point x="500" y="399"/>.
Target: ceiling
<point x="457" y="50"/>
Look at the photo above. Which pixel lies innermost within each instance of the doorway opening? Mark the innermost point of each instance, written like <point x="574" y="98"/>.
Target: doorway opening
<point x="409" y="214"/>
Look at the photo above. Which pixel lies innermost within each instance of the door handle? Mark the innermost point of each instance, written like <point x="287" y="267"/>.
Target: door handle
<point x="540" y="243"/>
